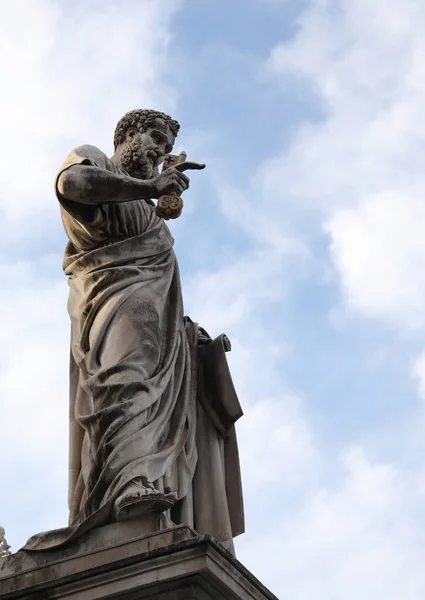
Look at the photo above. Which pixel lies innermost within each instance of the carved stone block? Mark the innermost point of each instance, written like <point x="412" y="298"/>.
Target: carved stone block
<point x="173" y="564"/>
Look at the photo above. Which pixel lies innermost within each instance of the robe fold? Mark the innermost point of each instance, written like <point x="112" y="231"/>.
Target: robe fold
<point x="147" y="401"/>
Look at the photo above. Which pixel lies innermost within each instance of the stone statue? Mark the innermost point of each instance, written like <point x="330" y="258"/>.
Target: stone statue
<point x="4" y="546"/>
<point x="152" y="404"/>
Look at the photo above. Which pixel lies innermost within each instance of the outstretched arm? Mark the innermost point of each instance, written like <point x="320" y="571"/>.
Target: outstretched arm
<point x="92" y="185"/>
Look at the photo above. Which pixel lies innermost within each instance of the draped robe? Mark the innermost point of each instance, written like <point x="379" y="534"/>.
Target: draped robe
<point x="147" y="402"/>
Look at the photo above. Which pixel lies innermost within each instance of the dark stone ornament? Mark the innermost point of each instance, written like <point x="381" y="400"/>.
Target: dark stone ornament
<point x="169" y="207"/>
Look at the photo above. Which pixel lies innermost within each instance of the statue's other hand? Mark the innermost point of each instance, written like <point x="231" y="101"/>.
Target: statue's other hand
<point x="169" y="182"/>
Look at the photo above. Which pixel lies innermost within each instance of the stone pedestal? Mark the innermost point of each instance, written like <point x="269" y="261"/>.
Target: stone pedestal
<point x="114" y="562"/>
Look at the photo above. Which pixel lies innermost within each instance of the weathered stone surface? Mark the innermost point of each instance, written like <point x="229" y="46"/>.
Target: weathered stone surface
<point x="4" y="546"/>
<point x="174" y="564"/>
<point x="144" y="436"/>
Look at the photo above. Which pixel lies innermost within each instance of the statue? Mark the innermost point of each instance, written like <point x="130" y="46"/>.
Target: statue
<point x="152" y="404"/>
<point x="4" y="546"/>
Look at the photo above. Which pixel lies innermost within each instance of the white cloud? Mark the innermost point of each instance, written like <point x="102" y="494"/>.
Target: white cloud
<point x="68" y="75"/>
<point x="360" y="165"/>
<point x="378" y="249"/>
<point x="277" y="445"/>
<point x="358" y="538"/>
<point x="276" y="442"/>
<point x="34" y="351"/>
<point x="419" y="374"/>
<point x="230" y="295"/>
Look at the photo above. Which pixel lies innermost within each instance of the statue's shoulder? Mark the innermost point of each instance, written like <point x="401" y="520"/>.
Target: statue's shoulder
<point x="91" y="154"/>
<point x="86" y="154"/>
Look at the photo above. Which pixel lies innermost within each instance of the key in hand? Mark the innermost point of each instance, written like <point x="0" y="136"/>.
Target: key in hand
<point x="171" y="206"/>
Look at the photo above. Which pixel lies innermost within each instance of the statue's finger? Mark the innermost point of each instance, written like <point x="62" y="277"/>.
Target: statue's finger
<point x="184" y="166"/>
<point x="184" y="178"/>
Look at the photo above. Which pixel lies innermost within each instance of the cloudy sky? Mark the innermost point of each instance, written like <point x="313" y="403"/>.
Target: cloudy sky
<point x="303" y="240"/>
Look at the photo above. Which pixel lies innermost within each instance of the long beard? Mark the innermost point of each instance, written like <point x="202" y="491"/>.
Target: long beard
<point x="136" y="163"/>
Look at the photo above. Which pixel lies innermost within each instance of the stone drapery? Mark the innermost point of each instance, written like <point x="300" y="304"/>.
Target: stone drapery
<point x="139" y="403"/>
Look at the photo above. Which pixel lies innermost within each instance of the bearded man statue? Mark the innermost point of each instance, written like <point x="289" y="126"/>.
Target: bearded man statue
<point x="152" y="404"/>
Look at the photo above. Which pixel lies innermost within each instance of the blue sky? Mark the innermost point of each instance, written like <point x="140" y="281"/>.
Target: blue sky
<point x="302" y="240"/>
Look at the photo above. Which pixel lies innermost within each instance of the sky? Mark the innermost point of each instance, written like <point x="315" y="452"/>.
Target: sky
<point x="303" y="240"/>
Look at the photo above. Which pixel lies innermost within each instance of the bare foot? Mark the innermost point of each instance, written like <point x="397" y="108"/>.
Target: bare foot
<point x="137" y="499"/>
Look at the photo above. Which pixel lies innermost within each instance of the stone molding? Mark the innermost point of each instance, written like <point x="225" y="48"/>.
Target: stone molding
<point x="174" y="564"/>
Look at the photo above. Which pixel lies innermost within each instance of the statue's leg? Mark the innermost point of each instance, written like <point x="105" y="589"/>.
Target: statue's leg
<point x="123" y="360"/>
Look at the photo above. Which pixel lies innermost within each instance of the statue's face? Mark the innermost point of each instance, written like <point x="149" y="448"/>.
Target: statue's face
<point x="143" y="152"/>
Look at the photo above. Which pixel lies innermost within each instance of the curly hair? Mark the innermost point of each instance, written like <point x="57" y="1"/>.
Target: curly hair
<point x="141" y="119"/>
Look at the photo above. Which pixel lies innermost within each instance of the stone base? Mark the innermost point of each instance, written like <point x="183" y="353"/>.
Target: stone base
<point x="113" y="562"/>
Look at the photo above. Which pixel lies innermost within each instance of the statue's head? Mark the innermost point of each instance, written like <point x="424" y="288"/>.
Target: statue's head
<point x="142" y="139"/>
